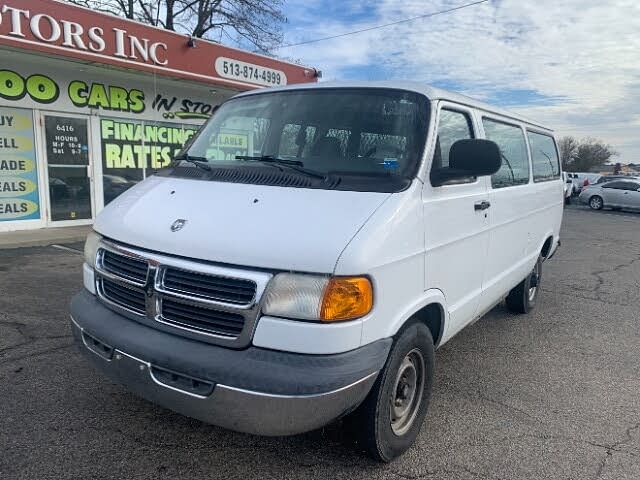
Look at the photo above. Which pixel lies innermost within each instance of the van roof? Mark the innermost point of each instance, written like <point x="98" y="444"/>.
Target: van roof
<point x="432" y="93"/>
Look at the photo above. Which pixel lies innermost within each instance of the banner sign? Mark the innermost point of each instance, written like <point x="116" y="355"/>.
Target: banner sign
<point x="137" y="145"/>
<point x="108" y="94"/>
<point x="230" y="143"/>
<point x="19" y="199"/>
<point x="130" y="150"/>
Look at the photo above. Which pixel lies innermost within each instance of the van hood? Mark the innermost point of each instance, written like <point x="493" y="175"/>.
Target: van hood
<point x="238" y="224"/>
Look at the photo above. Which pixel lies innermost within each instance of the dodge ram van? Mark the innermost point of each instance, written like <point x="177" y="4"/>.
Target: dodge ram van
<point x="308" y="251"/>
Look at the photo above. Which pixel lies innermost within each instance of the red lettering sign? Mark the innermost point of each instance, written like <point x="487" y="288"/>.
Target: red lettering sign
<point x="61" y="29"/>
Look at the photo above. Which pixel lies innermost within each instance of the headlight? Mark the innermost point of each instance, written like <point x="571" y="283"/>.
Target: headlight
<point x="91" y="248"/>
<point x="317" y="297"/>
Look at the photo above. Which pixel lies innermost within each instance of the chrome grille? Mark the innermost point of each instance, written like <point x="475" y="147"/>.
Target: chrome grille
<point x="199" y="300"/>
<point x="223" y="289"/>
<point x="201" y="318"/>
<point x="124" y="266"/>
<point x="128" y="297"/>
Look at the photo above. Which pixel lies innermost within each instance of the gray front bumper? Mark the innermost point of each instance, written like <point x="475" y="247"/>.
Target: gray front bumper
<point x="253" y="390"/>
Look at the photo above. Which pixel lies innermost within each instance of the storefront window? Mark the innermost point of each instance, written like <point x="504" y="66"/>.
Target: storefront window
<point x="67" y="141"/>
<point x="131" y="150"/>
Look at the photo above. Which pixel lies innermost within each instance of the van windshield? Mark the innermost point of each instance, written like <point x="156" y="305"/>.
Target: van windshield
<point x="362" y="139"/>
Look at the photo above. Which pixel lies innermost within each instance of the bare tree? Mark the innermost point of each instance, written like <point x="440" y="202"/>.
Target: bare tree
<point x="568" y="147"/>
<point x="257" y="23"/>
<point x="583" y="155"/>
<point x="120" y="8"/>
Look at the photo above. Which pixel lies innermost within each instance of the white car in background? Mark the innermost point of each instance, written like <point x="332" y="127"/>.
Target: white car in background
<point x="617" y="195"/>
<point x="580" y="178"/>
<point x="568" y="187"/>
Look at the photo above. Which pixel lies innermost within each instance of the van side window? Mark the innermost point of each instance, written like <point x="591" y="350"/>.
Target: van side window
<point x="622" y="185"/>
<point x="515" y="161"/>
<point x="453" y="126"/>
<point x="544" y="157"/>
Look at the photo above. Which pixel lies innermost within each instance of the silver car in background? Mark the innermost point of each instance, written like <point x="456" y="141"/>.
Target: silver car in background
<point x="617" y="195"/>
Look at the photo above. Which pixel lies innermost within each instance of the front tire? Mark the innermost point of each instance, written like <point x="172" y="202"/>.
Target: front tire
<point x="523" y="297"/>
<point x="389" y="420"/>
<point x="596" y="202"/>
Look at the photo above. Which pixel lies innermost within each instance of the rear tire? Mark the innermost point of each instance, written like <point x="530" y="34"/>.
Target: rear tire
<point x="523" y="297"/>
<point x="389" y="420"/>
<point x="596" y="202"/>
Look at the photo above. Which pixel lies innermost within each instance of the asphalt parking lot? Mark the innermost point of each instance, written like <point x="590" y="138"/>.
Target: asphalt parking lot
<point x="551" y="395"/>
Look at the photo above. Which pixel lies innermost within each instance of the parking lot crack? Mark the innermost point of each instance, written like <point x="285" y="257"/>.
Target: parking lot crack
<point x="21" y="329"/>
<point x="28" y="338"/>
<point x="615" y="447"/>
<point x="584" y="297"/>
<point x="35" y="354"/>
<point x="507" y="406"/>
<point x="453" y="472"/>
<point x="601" y="281"/>
<point x="411" y="477"/>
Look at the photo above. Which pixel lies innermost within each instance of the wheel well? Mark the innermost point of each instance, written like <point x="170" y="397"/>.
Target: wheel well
<point x="546" y="248"/>
<point x="432" y="316"/>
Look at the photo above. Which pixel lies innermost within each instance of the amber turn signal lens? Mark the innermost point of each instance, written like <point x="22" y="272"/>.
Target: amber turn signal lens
<point x="346" y="298"/>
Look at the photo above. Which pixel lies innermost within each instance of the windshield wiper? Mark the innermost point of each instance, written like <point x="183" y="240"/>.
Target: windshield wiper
<point x="296" y="165"/>
<point x="200" y="162"/>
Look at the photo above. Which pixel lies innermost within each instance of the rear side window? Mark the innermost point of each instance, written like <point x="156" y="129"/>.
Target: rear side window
<point x="544" y="157"/>
<point x="513" y="149"/>
<point x="622" y="185"/>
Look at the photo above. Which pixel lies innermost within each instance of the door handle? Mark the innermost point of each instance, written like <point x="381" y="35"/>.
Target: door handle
<point x="483" y="205"/>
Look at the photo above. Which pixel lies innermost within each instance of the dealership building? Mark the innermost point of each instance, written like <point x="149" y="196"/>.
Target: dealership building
<point x="91" y="104"/>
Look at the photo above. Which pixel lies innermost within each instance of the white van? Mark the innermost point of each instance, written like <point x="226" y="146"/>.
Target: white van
<point x="309" y="250"/>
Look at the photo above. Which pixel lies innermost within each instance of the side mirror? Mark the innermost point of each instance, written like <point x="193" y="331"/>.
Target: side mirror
<point x="473" y="157"/>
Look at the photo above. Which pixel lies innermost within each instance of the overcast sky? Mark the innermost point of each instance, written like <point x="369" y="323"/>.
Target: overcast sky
<point x="572" y="64"/>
